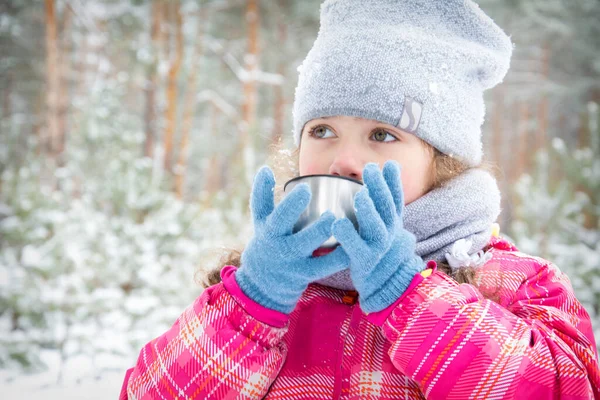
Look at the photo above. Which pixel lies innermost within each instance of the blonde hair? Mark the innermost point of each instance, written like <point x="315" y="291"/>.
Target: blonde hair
<point x="284" y="164"/>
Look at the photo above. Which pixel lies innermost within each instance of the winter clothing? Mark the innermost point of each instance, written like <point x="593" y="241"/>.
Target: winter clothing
<point x="439" y="340"/>
<point x="463" y="209"/>
<point x="277" y="265"/>
<point x="382" y="253"/>
<point x="419" y="65"/>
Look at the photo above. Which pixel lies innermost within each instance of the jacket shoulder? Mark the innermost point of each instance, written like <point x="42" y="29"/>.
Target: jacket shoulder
<point x="509" y="270"/>
<point x="506" y="256"/>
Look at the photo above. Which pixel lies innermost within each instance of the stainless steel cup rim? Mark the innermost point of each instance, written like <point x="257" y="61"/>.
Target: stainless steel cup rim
<point x="329" y="192"/>
<point x="320" y="175"/>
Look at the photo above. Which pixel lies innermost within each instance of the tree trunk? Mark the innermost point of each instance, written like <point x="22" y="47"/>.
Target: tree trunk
<point x="6" y="99"/>
<point x="585" y="140"/>
<point x="80" y="89"/>
<point x="583" y="131"/>
<point x="499" y="132"/>
<point x="64" y="76"/>
<point x="6" y="121"/>
<point x="251" y="63"/>
<point x="523" y="133"/>
<point x="213" y="177"/>
<point x="542" y="132"/>
<point x="152" y="81"/>
<point x="189" y="106"/>
<point x="52" y="133"/>
<point x="542" y="112"/>
<point x="279" y="109"/>
<point x="497" y="126"/>
<point x="171" y="111"/>
<point x="37" y="129"/>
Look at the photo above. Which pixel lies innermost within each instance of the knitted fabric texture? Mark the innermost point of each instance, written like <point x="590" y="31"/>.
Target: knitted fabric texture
<point x="464" y="208"/>
<point x="277" y="265"/>
<point x="419" y="65"/>
<point x="382" y="254"/>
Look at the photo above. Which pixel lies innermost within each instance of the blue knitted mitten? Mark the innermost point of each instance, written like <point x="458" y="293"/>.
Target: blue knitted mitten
<point x="277" y="265"/>
<point x="382" y="254"/>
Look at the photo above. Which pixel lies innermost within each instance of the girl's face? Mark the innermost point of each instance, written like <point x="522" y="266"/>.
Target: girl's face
<point x="343" y="145"/>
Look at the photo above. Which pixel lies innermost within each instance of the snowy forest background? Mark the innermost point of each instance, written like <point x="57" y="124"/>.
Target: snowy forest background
<point x="130" y="131"/>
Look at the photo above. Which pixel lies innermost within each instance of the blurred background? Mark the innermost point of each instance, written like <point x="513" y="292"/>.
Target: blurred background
<point x="130" y="131"/>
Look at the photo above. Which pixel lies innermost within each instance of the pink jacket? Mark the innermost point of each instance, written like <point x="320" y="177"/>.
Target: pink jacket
<point x="440" y="340"/>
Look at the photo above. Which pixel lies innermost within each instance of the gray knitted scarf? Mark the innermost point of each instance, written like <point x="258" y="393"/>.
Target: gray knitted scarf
<point x="464" y="208"/>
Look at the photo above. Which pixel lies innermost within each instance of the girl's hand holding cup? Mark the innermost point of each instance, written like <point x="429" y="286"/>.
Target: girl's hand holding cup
<point x="382" y="254"/>
<point x="277" y="264"/>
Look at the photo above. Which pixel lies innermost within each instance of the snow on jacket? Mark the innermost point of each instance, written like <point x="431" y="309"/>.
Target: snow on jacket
<point x="440" y="340"/>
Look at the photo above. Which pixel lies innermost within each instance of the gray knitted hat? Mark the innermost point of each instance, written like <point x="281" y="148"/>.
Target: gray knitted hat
<point x="419" y="65"/>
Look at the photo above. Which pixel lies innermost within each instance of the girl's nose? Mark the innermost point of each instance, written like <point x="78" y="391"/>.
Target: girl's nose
<point x="347" y="163"/>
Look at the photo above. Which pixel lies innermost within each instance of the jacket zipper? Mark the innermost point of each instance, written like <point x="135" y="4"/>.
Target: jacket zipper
<point x="353" y="315"/>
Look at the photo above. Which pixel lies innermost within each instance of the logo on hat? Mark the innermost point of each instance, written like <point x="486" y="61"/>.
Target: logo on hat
<point x="411" y="115"/>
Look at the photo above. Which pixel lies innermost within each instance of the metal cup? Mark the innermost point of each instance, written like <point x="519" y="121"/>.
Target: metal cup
<point x="329" y="192"/>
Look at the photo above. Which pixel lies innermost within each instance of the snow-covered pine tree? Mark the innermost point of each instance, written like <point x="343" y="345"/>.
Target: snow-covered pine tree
<point x="558" y="215"/>
<point x="106" y="262"/>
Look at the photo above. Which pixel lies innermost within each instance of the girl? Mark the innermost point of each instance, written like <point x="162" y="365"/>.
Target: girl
<point x="424" y="300"/>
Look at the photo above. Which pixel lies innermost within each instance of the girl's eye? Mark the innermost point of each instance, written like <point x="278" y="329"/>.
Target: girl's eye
<point x="381" y="135"/>
<point x="320" y="132"/>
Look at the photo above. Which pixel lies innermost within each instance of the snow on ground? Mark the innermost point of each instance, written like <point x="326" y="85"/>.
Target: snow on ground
<point x="80" y="380"/>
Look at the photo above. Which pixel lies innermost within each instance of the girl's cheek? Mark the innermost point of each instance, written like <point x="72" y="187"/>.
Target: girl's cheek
<point x="409" y="190"/>
<point x="313" y="164"/>
<point x="311" y="168"/>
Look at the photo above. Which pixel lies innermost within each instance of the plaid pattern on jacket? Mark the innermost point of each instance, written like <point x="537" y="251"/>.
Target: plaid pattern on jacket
<point x="441" y="340"/>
